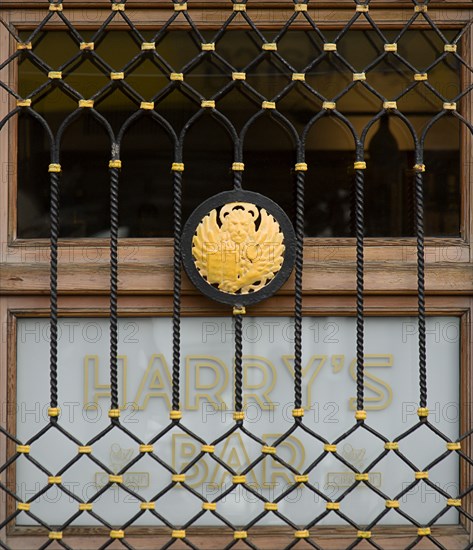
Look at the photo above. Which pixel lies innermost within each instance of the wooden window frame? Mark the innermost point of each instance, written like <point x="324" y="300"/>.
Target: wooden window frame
<point x="146" y="264"/>
<point x="18" y="307"/>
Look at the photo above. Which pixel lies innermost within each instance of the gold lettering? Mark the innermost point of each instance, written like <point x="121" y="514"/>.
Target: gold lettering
<point x="195" y="367"/>
<point x="234" y="454"/>
<point x="313" y="368"/>
<point x="382" y="390"/>
<point x="92" y="362"/>
<point x="156" y="377"/>
<point x="265" y="387"/>
<point x="291" y="450"/>
<point x="184" y="450"/>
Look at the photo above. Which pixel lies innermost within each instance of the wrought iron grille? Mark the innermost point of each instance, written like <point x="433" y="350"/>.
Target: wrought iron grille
<point x="266" y="106"/>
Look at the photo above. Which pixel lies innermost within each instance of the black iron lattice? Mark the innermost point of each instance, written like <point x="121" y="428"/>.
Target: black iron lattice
<point x="267" y="107"/>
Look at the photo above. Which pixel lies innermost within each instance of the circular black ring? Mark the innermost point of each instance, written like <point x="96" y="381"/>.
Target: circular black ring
<point x="215" y="202"/>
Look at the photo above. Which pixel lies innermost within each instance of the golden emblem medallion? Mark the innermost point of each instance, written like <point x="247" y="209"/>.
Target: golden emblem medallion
<point x="239" y="249"/>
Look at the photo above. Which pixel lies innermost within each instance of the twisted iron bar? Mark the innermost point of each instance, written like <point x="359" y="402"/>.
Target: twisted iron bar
<point x="54" y="238"/>
<point x="114" y="177"/>
<point x="176" y="312"/>
<point x="299" y="230"/>
<point x="360" y="322"/>
<point x="419" y="226"/>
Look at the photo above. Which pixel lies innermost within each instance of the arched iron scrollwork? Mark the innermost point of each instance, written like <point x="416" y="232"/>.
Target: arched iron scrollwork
<point x="236" y="292"/>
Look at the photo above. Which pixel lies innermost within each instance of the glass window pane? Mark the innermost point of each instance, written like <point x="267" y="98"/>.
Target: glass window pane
<point x="269" y="149"/>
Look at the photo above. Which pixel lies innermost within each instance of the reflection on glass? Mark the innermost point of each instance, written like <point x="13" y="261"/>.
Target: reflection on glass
<point x="269" y="151"/>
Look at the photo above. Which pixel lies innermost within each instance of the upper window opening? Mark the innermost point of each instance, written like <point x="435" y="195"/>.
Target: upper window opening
<point x="268" y="150"/>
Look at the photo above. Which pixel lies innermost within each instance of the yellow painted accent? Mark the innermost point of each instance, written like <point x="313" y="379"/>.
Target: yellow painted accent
<point x="180" y="7"/>
<point x="450" y="48"/>
<point x="115" y="479"/>
<point x="147" y="506"/>
<point x="238" y="76"/>
<point x="301" y="478"/>
<point x="148" y="46"/>
<point x="420" y="8"/>
<point x="55" y="75"/>
<point x="117" y="534"/>
<point x="329" y="47"/>
<point x="454" y="446"/>
<point x="85" y="506"/>
<point x="364" y="534"/>
<point x="178" y="534"/>
<point x="23" y="449"/>
<point x="54" y="480"/>
<point x="146" y="448"/>
<point x="419" y="167"/>
<point x="332" y="506"/>
<point x="238" y="166"/>
<point x="362" y="8"/>
<point x="298" y="413"/>
<point x="177" y="167"/>
<point x="86" y="103"/>
<point x="23" y="102"/>
<point x="178" y="478"/>
<point x="391" y="446"/>
<point x="419" y="77"/>
<point x="270" y="47"/>
<point x="207" y="449"/>
<point x="229" y="271"/>
<point x="267" y="450"/>
<point x="238" y="415"/>
<point x="55" y="535"/>
<point x="423" y="531"/>
<point x="329" y="105"/>
<point x="147" y="105"/>
<point x="302" y="534"/>
<point x="118" y="7"/>
<point x="268" y="105"/>
<point x="450" y="106"/>
<point x="211" y="506"/>
<point x="238" y="479"/>
<point x="114" y="413"/>
<point x="390" y="48"/>
<point x="423" y="412"/>
<point x="392" y="504"/>
<point x="454" y="502"/>
<point x="330" y="448"/>
<point x="210" y="47"/>
<point x="362" y="477"/>
<point x="24" y="46"/>
<point x="389" y="105"/>
<point x="85" y="450"/>
<point x="87" y="46"/>
<point x="117" y="76"/>
<point x="239" y="7"/>
<point x="176" y="77"/>
<point x="208" y="104"/>
<point x="54" y="168"/>
<point x="239" y="310"/>
<point x="422" y="475"/>
<point x="24" y="506"/>
<point x="271" y="506"/>
<point x="238" y="535"/>
<point x="359" y="165"/>
<point x="298" y="76"/>
<point x="54" y="411"/>
<point x="360" y="415"/>
<point x="55" y="7"/>
<point x="115" y="163"/>
<point x="359" y="76"/>
<point x="300" y="7"/>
